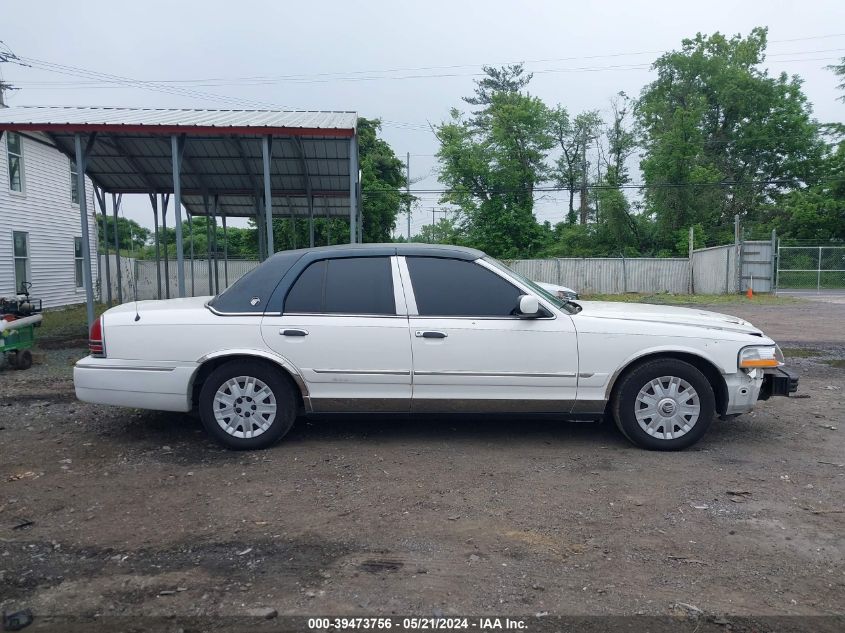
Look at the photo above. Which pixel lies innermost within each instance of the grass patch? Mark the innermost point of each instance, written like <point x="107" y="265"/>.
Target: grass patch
<point x="839" y="363"/>
<point x="801" y="352"/>
<point x="670" y="299"/>
<point x="66" y="323"/>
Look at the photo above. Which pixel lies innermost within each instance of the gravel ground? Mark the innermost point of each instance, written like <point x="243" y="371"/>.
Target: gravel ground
<point x="114" y="512"/>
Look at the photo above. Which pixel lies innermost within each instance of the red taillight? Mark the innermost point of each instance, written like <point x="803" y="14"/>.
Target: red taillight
<point x="95" y="339"/>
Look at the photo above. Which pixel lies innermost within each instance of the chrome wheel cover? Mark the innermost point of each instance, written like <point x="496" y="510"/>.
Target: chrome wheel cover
<point x="244" y="407"/>
<point x="667" y="407"/>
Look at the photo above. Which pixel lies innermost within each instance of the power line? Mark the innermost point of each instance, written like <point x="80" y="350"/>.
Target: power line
<point x="597" y="186"/>
<point x="192" y="84"/>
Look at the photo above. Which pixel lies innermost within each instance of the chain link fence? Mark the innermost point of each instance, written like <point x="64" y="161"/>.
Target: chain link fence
<point x="811" y="268"/>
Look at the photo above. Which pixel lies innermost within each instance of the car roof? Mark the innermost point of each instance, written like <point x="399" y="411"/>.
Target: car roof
<point x="252" y="293"/>
<point x="409" y="249"/>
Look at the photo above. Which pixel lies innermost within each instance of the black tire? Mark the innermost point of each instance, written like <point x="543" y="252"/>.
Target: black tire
<point x="625" y="405"/>
<point x="283" y="391"/>
<point x="12" y="359"/>
<point x="24" y="359"/>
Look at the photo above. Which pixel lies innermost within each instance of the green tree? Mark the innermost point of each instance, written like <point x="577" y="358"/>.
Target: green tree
<point x="131" y="236"/>
<point x="713" y="123"/>
<point x="839" y="71"/>
<point x="573" y="136"/>
<point x="382" y="180"/>
<point x="816" y="212"/>
<point x="492" y="162"/>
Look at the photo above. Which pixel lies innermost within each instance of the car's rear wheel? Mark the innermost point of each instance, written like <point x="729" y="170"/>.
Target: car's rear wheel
<point x="247" y="405"/>
<point x="664" y="404"/>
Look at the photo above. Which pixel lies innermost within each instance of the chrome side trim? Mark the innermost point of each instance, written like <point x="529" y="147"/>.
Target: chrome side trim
<point x="125" y="367"/>
<point x="225" y="314"/>
<point x="337" y="314"/>
<point x="364" y="372"/>
<point x="444" y="405"/>
<point x="587" y="407"/>
<point x="360" y="405"/>
<point x="493" y="374"/>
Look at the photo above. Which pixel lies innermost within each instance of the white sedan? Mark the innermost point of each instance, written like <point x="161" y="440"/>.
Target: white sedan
<point x="562" y="292"/>
<point x="423" y="329"/>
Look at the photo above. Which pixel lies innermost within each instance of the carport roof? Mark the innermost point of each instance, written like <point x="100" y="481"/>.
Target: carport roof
<point x="222" y="155"/>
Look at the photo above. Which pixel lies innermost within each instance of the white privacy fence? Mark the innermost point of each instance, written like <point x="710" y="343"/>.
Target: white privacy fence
<point x="714" y="270"/>
<point x="709" y="271"/>
<point x="609" y="275"/>
<point x="143" y="271"/>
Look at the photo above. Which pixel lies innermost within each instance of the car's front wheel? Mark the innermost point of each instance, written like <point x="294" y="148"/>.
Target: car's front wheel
<point x="664" y="404"/>
<point x="247" y="405"/>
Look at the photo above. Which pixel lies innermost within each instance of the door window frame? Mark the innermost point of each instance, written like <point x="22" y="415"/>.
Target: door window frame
<point x="411" y="300"/>
<point x="399" y="302"/>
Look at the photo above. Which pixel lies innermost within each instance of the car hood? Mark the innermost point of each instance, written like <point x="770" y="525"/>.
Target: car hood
<point x="649" y="313"/>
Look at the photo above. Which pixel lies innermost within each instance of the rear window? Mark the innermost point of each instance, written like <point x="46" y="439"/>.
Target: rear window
<point x="250" y="293"/>
<point x="353" y="285"/>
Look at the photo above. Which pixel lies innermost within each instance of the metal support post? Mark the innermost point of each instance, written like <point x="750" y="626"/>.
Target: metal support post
<point x="177" y="149"/>
<point x="101" y="198"/>
<point x="154" y="204"/>
<point x="214" y="243"/>
<point x="353" y="189"/>
<point x="115" y="204"/>
<point x="225" y="252"/>
<point x="691" y="283"/>
<point x="266" y="148"/>
<point x="81" y="158"/>
<point x="208" y="242"/>
<point x="191" y="242"/>
<point x="165" y="198"/>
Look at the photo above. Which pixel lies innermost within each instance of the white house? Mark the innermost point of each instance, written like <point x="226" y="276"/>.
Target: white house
<point x="40" y="234"/>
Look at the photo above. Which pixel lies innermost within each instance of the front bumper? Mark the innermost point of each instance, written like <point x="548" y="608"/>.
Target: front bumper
<point x="778" y="382"/>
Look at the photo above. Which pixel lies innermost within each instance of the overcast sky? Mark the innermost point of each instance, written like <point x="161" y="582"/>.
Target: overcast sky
<point x="405" y="62"/>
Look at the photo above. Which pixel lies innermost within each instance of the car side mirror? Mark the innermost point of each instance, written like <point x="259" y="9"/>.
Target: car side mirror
<point x="529" y="307"/>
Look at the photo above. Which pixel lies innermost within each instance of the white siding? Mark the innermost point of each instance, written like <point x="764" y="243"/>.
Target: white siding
<point x="45" y="211"/>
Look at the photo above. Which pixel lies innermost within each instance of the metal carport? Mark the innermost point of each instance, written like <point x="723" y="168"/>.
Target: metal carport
<point x="240" y="163"/>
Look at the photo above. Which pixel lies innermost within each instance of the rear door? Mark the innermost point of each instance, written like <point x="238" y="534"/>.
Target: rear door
<point x="344" y="326"/>
<point x="471" y="351"/>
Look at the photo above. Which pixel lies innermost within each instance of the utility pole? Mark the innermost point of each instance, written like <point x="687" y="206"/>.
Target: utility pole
<point x="408" y="189"/>
<point x="7" y="56"/>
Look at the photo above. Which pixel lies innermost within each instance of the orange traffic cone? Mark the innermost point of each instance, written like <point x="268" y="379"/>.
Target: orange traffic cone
<point x="750" y="292"/>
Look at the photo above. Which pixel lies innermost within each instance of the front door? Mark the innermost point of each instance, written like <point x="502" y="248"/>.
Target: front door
<point x="471" y="352"/>
<point x="343" y="326"/>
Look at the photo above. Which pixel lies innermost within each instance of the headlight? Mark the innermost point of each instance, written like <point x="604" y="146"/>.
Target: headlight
<point x="768" y="356"/>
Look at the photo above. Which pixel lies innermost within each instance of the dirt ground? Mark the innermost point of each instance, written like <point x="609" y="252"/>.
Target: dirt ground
<point x="113" y="512"/>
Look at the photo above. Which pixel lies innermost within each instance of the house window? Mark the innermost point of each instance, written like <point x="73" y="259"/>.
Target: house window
<point x="21" y="248"/>
<point x="74" y="183"/>
<point x="77" y="260"/>
<point x="15" y="152"/>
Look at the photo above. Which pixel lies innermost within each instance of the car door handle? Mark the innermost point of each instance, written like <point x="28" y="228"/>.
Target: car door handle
<point x="294" y="332"/>
<point x="430" y="334"/>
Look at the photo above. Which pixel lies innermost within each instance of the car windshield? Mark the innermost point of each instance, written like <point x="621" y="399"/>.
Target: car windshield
<point x="556" y="301"/>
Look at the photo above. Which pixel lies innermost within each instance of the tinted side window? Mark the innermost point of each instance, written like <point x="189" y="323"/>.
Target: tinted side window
<point x="454" y="287"/>
<point x="354" y="285"/>
<point x="307" y="293"/>
<point x="360" y="285"/>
